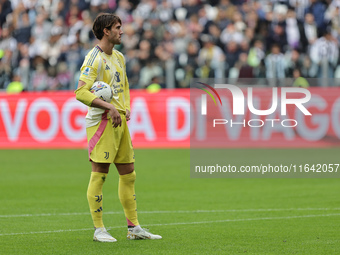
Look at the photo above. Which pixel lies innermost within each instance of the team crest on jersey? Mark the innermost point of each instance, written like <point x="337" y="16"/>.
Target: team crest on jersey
<point x="117" y="77"/>
<point x="104" y="60"/>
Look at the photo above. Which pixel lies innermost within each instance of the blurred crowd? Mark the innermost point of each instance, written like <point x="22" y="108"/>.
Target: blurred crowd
<point x="168" y="42"/>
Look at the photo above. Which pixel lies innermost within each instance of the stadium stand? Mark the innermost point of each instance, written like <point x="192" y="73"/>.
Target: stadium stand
<point x="43" y="42"/>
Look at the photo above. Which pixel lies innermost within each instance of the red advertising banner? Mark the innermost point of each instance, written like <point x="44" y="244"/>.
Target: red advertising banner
<point x="56" y="120"/>
<point x="287" y="122"/>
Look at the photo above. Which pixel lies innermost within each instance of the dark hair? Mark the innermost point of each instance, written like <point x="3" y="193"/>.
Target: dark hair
<point x="104" y="20"/>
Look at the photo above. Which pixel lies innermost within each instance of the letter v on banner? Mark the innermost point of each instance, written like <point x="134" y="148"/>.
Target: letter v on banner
<point x="13" y="125"/>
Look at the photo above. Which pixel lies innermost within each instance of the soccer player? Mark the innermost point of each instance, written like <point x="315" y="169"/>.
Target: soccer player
<point x="106" y="127"/>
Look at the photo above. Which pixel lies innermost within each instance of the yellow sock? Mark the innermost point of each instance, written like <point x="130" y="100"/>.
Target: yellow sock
<point x="95" y="198"/>
<point x="127" y="197"/>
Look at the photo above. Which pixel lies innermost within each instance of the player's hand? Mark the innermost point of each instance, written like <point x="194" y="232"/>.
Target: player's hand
<point x="127" y="115"/>
<point x="115" y="116"/>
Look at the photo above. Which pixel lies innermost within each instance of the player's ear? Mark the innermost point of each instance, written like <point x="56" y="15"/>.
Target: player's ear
<point x="106" y="31"/>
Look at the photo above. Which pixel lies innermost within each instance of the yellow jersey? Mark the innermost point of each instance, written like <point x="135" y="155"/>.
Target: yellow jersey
<point x="111" y="69"/>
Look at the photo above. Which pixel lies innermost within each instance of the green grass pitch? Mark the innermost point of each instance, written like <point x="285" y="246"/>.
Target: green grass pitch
<point x="44" y="208"/>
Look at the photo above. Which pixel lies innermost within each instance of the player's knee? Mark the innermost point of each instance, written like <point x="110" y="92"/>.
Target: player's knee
<point x="125" y="169"/>
<point x="100" y="167"/>
<point x="129" y="177"/>
<point x="133" y="175"/>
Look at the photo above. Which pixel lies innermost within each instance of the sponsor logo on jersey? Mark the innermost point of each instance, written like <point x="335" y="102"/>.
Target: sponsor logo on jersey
<point x="107" y="67"/>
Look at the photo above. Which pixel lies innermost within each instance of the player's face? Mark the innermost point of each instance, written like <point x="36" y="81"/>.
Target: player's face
<point x="115" y="34"/>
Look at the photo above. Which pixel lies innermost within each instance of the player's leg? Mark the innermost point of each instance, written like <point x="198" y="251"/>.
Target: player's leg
<point x="95" y="194"/>
<point x="95" y="200"/>
<point x="101" y="154"/>
<point x="127" y="197"/>
<point x="124" y="162"/>
<point x="126" y="192"/>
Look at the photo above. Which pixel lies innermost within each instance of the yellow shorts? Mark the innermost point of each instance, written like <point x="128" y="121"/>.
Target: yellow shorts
<point x="108" y="144"/>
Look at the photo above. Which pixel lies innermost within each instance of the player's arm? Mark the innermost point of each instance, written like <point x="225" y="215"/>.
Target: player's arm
<point x="127" y="99"/>
<point x="84" y="95"/>
<point x="127" y="96"/>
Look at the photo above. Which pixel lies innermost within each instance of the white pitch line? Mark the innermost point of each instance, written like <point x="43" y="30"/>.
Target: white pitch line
<point x="171" y="212"/>
<point x="178" y="223"/>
